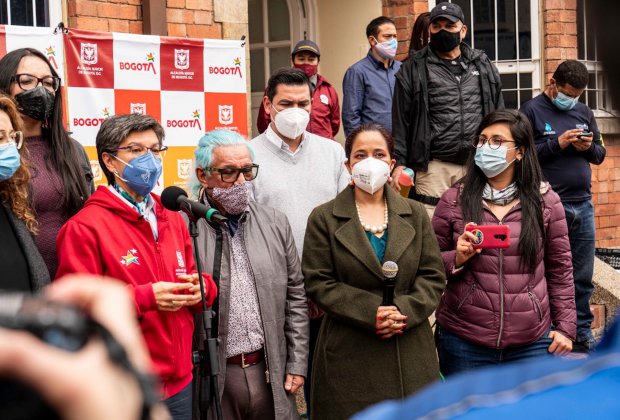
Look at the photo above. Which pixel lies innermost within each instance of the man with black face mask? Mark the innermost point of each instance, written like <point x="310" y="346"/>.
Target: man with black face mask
<point x="440" y="97"/>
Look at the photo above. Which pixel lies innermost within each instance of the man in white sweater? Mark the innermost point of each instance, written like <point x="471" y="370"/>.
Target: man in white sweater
<point x="298" y="170"/>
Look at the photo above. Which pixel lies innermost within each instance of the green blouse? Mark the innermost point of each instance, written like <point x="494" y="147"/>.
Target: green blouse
<point x="378" y="244"/>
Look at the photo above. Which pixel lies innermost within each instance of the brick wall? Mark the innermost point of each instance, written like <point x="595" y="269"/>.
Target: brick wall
<point x="560" y="43"/>
<point x="106" y="16"/>
<point x="404" y="13"/>
<point x="192" y="18"/>
<point x="606" y="196"/>
<point x="185" y="18"/>
<point x="559" y="34"/>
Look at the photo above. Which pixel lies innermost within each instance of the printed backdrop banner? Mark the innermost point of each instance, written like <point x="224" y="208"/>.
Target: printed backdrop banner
<point x="189" y="85"/>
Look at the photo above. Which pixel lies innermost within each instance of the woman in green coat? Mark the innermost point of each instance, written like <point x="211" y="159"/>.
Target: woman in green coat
<point x="366" y="352"/>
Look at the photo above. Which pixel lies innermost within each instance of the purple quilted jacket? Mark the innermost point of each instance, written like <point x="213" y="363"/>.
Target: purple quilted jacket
<point x="495" y="302"/>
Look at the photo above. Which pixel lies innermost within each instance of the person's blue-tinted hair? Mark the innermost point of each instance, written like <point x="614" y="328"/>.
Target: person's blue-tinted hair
<point x="203" y="155"/>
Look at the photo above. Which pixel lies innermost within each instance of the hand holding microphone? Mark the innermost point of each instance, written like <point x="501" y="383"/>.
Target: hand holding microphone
<point x="389" y="319"/>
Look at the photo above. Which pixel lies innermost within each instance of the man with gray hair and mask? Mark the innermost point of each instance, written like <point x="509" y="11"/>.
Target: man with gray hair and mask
<point x="262" y="316"/>
<point x="299" y="170"/>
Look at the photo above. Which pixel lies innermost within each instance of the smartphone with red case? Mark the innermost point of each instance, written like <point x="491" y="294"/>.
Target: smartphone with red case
<point x="490" y="236"/>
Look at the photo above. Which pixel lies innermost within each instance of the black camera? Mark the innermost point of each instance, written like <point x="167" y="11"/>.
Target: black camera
<point x="60" y="325"/>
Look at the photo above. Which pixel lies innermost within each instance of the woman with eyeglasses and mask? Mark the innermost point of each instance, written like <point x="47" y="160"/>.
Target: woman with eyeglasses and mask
<point x="503" y="305"/>
<point x="124" y="232"/>
<point x="21" y="264"/>
<point x="367" y="351"/>
<point x="61" y="176"/>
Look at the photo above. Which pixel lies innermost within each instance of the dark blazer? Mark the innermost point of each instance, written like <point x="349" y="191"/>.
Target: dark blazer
<point x="39" y="275"/>
<point x="352" y="367"/>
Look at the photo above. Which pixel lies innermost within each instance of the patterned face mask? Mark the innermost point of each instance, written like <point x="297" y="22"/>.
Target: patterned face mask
<point x="234" y="200"/>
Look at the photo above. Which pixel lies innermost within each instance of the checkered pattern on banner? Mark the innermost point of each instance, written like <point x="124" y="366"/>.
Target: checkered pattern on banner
<point x="189" y="85"/>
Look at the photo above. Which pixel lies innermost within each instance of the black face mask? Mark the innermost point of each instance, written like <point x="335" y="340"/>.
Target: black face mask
<point x="444" y="41"/>
<point x="37" y="103"/>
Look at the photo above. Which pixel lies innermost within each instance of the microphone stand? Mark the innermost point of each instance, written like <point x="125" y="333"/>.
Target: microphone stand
<point x="206" y="358"/>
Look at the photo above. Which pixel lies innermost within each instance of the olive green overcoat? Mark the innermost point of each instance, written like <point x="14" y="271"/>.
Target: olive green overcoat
<point x="352" y="367"/>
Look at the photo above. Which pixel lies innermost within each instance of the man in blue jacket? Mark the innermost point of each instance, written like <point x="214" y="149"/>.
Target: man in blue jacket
<point x="368" y="85"/>
<point x="567" y="142"/>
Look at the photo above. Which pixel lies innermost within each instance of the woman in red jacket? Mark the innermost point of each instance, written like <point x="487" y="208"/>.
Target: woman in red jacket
<point x="124" y="232"/>
<point x="508" y="304"/>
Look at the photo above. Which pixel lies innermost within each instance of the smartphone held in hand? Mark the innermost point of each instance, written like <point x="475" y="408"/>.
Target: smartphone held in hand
<point x="490" y="236"/>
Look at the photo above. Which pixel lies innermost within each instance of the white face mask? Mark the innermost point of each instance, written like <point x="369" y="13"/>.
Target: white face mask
<point x="291" y="122"/>
<point x="370" y="174"/>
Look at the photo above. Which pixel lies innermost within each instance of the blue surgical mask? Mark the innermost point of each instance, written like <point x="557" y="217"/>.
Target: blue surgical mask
<point x="141" y="173"/>
<point x="564" y="102"/>
<point x="387" y="49"/>
<point x="492" y="161"/>
<point x="9" y="160"/>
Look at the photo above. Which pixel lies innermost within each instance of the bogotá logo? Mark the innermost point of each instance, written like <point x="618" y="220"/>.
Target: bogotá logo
<point x="51" y="56"/>
<point x="92" y="122"/>
<point x="194" y="122"/>
<point x="137" y="108"/>
<point x="181" y="59"/>
<point x="88" y="53"/>
<point x="232" y="70"/>
<point x="148" y="65"/>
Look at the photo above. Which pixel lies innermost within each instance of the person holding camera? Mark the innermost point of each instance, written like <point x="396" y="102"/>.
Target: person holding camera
<point x="21" y="265"/>
<point x="124" y="232"/>
<point x="42" y="379"/>
<point x="567" y="142"/>
<point x="503" y="304"/>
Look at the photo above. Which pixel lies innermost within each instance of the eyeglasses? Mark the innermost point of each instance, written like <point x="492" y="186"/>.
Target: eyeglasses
<point x="139" y="150"/>
<point x="16" y="137"/>
<point x="232" y="174"/>
<point x="28" y="81"/>
<point x="494" y="142"/>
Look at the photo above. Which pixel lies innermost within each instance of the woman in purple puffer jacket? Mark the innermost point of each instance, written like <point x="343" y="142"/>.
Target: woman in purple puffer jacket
<point x="502" y="305"/>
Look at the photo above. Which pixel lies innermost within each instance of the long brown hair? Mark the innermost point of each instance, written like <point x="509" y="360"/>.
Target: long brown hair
<point x="14" y="191"/>
<point x="63" y="156"/>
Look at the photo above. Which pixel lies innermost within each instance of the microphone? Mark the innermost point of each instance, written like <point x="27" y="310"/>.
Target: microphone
<point x="175" y="199"/>
<point x="390" y="270"/>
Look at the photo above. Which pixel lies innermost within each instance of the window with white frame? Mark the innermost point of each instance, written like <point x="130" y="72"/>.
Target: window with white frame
<point x="274" y="27"/>
<point x="270" y="39"/>
<point x="507" y="31"/>
<point x="30" y="12"/>
<point x="596" y="95"/>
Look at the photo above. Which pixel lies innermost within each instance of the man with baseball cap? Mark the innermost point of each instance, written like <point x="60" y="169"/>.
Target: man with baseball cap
<point x="440" y="97"/>
<point x="325" y="112"/>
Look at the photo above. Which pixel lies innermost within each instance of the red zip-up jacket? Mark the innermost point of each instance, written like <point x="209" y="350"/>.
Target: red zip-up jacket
<point x="109" y="238"/>
<point x="324" y="115"/>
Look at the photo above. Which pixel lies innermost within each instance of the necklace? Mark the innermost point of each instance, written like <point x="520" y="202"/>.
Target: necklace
<point x="374" y="229"/>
